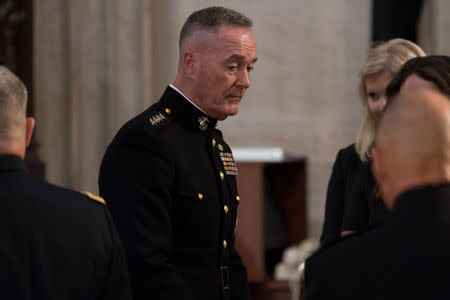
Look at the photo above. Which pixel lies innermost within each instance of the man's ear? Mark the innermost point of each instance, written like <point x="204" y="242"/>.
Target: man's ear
<point x="376" y="165"/>
<point x="29" y="130"/>
<point x="190" y="64"/>
<point x="380" y="173"/>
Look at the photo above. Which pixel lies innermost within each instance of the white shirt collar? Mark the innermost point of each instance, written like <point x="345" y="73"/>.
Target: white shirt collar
<point x="175" y="88"/>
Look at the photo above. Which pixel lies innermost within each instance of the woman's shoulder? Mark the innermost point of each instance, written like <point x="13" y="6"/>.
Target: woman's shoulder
<point x="348" y="159"/>
<point x="348" y="153"/>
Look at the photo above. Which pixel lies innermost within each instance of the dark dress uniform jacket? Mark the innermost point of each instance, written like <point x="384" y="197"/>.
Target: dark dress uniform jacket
<point x="405" y="258"/>
<point x="351" y="202"/>
<point x="55" y="244"/>
<point x="174" y="202"/>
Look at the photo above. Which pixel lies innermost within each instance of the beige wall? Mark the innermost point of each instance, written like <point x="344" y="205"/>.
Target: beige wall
<point x="98" y="62"/>
<point x="434" y="27"/>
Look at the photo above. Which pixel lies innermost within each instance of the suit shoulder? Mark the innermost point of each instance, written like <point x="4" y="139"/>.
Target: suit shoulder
<point x="83" y="200"/>
<point x="155" y="118"/>
<point x="94" y="197"/>
<point x="66" y="204"/>
<point x="150" y="129"/>
<point x="347" y="158"/>
<point x="348" y="152"/>
<point x="349" y="149"/>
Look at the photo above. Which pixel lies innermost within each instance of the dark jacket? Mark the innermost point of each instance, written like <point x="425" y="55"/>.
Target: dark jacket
<point x="55" y="244"/>
<point x="169" y="180"/>
<point x="351" y="202"/>
<point x="405" y="258"/>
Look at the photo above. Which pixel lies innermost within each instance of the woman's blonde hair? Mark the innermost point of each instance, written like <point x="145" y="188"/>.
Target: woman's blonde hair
<point x="386" y="57"/>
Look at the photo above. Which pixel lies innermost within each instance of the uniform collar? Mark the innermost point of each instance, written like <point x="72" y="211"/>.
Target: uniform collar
<point x="11" y="163"/>
<point x="177" y="107"/>
<point x="424" y="202"/>
<point x="185" y="97"/>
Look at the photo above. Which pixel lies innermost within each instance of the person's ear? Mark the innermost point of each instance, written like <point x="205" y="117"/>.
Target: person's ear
<point x="379" y="172"/>
<point x="190" y="64"/>
<point x="29" y="130"/>
<point x="376" y="165"/>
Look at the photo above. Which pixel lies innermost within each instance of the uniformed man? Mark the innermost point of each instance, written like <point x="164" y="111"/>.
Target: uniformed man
<point x="169" y="177"/>
<point x="54" y="243"/>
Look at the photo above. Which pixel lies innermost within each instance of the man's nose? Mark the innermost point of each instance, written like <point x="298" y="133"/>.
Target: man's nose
<point x="243" y="78"/>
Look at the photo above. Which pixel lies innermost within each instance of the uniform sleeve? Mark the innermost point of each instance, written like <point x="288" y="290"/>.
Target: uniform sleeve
<point x="118" y="282"/>
<point x="239" y="281"/>
<point x="136" y="179"/>
<point x="334" y="205"/>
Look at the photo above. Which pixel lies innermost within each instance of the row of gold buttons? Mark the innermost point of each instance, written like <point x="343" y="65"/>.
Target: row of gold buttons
<point x="200" y="197"/>
<point x="226" y="209"/>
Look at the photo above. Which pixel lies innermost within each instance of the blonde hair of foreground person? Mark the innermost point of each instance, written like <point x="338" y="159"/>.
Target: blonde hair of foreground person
<point x="387" y="57"/>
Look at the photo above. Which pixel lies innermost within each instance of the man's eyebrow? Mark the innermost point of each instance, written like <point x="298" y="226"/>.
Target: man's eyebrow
<point x="237" y="57"/>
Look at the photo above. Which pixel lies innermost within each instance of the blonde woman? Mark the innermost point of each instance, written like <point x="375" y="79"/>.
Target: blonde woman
<point x="351" y="203"/>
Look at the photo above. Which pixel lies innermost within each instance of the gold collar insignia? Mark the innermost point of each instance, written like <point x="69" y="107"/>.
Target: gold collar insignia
<point x="203" y="123"/>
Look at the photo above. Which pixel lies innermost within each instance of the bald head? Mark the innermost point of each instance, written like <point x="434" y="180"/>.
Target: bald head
<point x="15" y="128"/>
<point x="412" y="143"/>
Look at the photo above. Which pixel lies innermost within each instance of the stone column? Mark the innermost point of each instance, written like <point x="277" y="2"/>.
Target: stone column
<point x="434" y="27"/>
<point x="93" y="72"/>
<point x="51" y="86"/>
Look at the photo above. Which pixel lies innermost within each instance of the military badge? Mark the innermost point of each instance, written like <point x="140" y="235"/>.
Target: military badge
<point x="156" y="119"/>
<point x="203" y="123"/>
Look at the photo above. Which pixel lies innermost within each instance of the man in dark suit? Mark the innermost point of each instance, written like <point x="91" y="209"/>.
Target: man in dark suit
<point x="54" y="243"/>
<point x="169" y="176"/>
<point x="408" y="256"/>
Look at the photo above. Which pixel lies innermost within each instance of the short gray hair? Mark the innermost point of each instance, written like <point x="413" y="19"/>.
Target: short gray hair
<point x="13" y="102"/>
<point x="210" y="18"/>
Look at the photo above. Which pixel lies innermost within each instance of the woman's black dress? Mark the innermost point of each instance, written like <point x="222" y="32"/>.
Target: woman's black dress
<point x="352" y="201"/>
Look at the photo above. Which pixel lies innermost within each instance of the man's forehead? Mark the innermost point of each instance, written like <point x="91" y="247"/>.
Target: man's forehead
<point x="222" y="31"/>
<point x="232" y="33"/>
<point x="233" y="42"/>
<point x="241" y="58"/>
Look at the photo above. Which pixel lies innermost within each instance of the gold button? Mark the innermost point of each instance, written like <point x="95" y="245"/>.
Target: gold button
<point x="225" y="209"/>
<point x="222" y="176"/>
<point x="168" y="111"/>
<point x="225" y="243"/>
<point x="200" y="196"/>
<point x="213" y="142"/>
<point x="238" y="198"/>
<point x="220" y="147"/>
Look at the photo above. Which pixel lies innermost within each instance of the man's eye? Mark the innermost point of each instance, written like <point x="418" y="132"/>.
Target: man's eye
<point x="233" y="68"/>
<point x="249" y="68"/>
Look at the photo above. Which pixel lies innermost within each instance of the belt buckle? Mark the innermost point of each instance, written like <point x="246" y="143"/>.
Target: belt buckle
<point x="225" y="277"/>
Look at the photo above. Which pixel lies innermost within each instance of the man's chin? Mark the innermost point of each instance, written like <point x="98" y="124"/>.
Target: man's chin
<point x="234" y="111"/>
<point x="228" y="114"/>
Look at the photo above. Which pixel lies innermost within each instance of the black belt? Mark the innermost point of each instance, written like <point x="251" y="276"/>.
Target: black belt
<point x="224" y="277"/>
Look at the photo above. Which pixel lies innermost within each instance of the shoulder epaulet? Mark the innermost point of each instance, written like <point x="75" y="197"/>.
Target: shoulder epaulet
<point x="159" y="118"/>
<point x="95" y="198"/>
